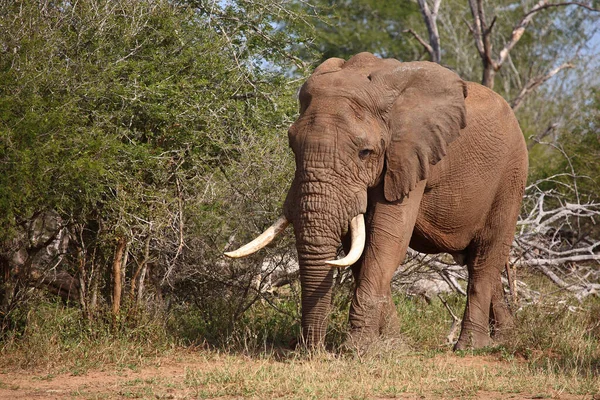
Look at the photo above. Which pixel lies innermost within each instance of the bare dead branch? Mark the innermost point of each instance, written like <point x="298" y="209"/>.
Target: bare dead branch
<point x="535" y="140"/>
<point x="476" y="29"/>
<point x="534" y="83"/>
<point x="551" y="239"/>
<point x="563" y="4"/>
<point x="430" y="18"/>
<point x="482" y="36"/>
<point x="423" y="43"/>
<point x="517" y="32"/>
<point x="423" y="265"/>
<point x="453" y="332"/>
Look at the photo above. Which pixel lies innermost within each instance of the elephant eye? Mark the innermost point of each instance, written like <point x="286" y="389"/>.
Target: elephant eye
<point x="364" y="153"/>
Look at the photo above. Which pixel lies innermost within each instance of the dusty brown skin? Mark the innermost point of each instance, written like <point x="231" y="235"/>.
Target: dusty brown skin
<point x="435" y="163"/>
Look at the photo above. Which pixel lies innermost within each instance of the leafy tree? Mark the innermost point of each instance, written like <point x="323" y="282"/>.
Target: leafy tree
<point x="582" y="147"/>
<point x="343" y="28"/>
<point x="147" y="125"/>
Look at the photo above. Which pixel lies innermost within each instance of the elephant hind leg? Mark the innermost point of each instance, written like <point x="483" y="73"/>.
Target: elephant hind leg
<point x="501" y="318"/>
<point x="487" y="315"/>
<point x="487" y="257"/>
<point x="475" y="324"/>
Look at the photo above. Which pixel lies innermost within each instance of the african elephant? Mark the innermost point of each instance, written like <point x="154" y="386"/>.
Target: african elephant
<point x="431" y="161"/>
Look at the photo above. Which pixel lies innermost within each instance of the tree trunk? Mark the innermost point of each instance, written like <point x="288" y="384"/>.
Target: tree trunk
<point x="82" y="280"/>
<point x="140" y="272"/>
<point x="488" y="75"/>
<point x="117" y="276"/>
<point x="140" y="289"/>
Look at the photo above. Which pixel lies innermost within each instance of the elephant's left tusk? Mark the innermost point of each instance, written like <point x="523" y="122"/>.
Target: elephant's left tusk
<point x="358" y="234"/>
<point x="261" y="241"/>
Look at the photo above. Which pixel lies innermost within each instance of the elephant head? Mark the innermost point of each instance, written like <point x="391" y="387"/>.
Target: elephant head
<point x="363" y="122"/>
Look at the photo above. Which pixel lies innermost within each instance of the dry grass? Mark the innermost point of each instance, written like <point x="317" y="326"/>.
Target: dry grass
<point x="58" y="339"/>
<point x="554" y="353"/>
<point x="444" y="375"/>
<point x="210" y="374"/>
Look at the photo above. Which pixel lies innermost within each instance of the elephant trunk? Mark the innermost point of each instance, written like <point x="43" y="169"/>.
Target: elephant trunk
<point x="321" y="214"/>
<point x="316" y="279"/>
<point x="315" y="248"/>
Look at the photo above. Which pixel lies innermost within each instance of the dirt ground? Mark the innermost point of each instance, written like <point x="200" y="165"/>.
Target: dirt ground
<point x="162" y="381"/>
<point x="179" y="378"/>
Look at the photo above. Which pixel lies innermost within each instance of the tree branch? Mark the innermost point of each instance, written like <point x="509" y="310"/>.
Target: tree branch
<point x="481" y="35"/>
<point x="476" y="29"/>
<point x="519" y="29"/>
<point x="430" y="18"/>
<point x="423" y="43"/>
<point x="568" y="3"/>
<point x="534" y="83"/>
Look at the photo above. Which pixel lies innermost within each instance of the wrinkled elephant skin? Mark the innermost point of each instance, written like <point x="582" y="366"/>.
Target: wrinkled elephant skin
<point x="434" y="163"/>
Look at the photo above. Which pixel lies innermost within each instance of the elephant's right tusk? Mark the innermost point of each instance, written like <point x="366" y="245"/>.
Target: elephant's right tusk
<point x="261" y="241"/>
<point x="358" y="234"/>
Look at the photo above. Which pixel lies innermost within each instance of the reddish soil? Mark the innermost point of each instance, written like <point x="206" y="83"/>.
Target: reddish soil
<point x="166" y="379"/>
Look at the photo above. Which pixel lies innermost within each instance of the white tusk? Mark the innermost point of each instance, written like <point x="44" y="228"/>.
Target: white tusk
<point x="358" y="234"/>
<point x="261" y="241"/>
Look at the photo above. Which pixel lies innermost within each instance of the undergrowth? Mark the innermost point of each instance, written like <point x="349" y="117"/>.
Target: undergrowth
<point x="559" y="338"/>
<point x="556" y="339"/>
<point x="59" y="337"/>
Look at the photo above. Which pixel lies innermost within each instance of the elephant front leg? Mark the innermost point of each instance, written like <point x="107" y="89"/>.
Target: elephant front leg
<point x="389" y="229"/>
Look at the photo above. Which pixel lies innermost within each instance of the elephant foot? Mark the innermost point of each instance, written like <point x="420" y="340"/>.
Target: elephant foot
<point x="358" y="341"/>
<point x="375" y="348"/>
<point x="472" y="340"/>
<point x="363" y="343"/>
<point x="390" y="325"/>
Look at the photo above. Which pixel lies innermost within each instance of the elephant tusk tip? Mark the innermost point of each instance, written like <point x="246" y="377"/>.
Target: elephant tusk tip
<point x="261" y="241"/>
<point x="336" y="263"/>
<point x="357" y="230"/>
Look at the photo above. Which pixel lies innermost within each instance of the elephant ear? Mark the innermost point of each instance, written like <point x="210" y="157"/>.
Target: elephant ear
<point x="425" y="113"/>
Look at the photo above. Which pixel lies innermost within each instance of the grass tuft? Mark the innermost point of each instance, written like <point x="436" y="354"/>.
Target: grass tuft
<point x="58" y="337"/>
<point x="554" y="350"/>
